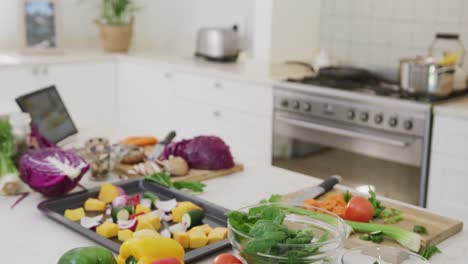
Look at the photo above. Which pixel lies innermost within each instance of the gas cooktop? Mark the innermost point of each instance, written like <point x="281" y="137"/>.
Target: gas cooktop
<point x="365" y="82"/>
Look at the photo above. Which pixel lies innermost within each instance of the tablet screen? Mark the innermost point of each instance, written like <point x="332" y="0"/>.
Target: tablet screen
<point x="48" y="113"/>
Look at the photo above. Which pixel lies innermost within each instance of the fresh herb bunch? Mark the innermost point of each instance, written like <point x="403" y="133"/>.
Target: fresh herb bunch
<point x="419" y="229"/>
<point x="164" y="179"/>
<point x="430" y="251"/>
<point x="378" y="207"/>
<point x="118" y="12"/>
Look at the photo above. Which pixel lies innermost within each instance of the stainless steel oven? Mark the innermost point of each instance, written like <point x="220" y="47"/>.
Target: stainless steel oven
<point x="365" y="139"/>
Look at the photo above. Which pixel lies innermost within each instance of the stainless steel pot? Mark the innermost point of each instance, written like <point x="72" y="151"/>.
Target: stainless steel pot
<point x="422" y="75"/>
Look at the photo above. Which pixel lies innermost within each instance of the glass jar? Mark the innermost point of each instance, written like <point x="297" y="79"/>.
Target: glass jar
<point x="446" y="44"/>
<point x="21" y="130"/>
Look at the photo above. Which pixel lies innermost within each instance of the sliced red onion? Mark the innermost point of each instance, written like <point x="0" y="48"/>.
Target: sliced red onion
<point x="121" y="191"/>
<point x="127" y="224"/>
<point x="167" y="218"/>
<point x="146" y="202"/>
<point x="166" y="233"/>
<point x="166" y="206"/>
<point x="90" y="222"/>
<point x="120" y="201"/>
<point x="108" y="210"/>
<point x="178" y="228"/>
<point x="159" y="213"/>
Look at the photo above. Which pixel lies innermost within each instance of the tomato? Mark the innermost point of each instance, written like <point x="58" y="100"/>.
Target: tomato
<point x="359" y="209"/>
<point x="226" y="259"/>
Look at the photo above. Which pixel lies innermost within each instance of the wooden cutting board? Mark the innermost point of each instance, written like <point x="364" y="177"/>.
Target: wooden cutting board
<point x="193" y="175"/>
<point x="439" y="228"/>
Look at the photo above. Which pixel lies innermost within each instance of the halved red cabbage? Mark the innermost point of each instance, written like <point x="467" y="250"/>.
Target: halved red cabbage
<point x="202" y="152"/>
<point x="52" y="171"/>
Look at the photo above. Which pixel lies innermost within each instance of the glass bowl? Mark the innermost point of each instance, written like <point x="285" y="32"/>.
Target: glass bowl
<point x="381" y="255"/>
<point x="315" y="252"/>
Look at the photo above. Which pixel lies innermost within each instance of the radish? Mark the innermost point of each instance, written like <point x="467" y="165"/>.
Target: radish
<point x="166" y="206"/>
<point x="167" y="261"/>
<point x="178" y="228"/>
<point x="165" y="233"/>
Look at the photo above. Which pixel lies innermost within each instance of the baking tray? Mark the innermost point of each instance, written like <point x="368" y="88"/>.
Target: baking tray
<point x="214" y="214"/>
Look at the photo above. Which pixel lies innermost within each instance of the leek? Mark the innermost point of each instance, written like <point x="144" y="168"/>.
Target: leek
<point x="407" y="239"/>
<point x="9" y="179"/>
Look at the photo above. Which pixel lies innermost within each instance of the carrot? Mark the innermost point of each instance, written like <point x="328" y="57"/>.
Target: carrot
<point x="140" y="141"/>
<point x="334" y="203"/>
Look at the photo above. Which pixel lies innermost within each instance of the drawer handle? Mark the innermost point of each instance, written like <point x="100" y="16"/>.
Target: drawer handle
<point x="217" y="113"/>
<point x="45" y="70"/>
<point x="35" y="70"/>
<point x="168" y="75"/>
<point x="218" y="85"/>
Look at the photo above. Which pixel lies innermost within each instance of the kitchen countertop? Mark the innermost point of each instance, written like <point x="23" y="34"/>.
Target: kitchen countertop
<point x="457" y="108"/>
<point x="31" y="237"/>
<point x="244" y="70"/>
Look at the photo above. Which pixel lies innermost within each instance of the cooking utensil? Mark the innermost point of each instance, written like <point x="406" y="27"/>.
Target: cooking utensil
<point x="159" y="148"/>
<point x="218" y="44"/>
<point x="316" y="191"/>
<point x="423" y="75"/>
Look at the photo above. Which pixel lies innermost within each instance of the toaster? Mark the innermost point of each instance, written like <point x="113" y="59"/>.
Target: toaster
<point x="218" y="44"/>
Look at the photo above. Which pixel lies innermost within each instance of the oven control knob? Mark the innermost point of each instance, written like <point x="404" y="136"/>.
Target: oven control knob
<point x="364" y="116"/>
<point x="285" y="103"/>
<point x="408" y="124"/>
<point x="307" y="107"/>
<point x="393" y="121"/>
<point x="351" y="114"/>
<point x="378" y="119"/>
<point x="296" y="105"/>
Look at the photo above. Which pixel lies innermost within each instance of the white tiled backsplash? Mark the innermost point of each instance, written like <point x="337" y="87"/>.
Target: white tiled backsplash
<point x="376" y="33"/>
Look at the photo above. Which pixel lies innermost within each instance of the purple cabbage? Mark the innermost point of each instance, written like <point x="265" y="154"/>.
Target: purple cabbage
<point x="52" y="171"/>
<point x="202" y="152"/>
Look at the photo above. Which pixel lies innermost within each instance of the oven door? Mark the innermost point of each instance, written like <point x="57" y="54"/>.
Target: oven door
<point x="390" y="162"/>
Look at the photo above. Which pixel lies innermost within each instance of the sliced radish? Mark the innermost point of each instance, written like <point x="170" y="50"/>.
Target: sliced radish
<point x="109" y="220"/>
<point x="108" y="210"/>
<point x="129" y="224"/>
<point x="146" y="202"/>
<point x="166" y="206"/>
<point x="165" y="233"/>
<point x="90" y="222"/>
<point x="120" y="201"/>
<point x="178" y="228"/>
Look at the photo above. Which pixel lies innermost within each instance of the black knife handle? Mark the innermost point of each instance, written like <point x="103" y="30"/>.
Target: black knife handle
<point x="329" y="182"/>
<point x="168" y="138"/>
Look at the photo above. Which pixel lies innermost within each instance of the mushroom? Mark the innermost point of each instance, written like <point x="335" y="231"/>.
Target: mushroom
<point x="175" y="166"/>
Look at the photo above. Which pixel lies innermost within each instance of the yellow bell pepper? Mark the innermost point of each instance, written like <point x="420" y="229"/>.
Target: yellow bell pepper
<point x="108" y="230"/>
<point x="146" y="250"/>
<point x="74" y="214"/>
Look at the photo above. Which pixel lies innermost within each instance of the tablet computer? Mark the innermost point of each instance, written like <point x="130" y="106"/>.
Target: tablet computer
<point x="48" y="113"/>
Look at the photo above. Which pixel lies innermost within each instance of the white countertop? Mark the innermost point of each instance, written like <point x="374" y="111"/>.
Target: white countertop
<point x="456" y="108"/>
<point x="31" y="237"/>
<point x="244" y="70"/>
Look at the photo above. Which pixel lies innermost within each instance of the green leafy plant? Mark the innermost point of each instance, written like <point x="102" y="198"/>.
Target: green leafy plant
<point x="164" y="179"/>
<point x="118" y="12"/>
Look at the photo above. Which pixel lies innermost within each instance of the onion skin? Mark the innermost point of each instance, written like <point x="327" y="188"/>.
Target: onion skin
<point x="43" y="178"/>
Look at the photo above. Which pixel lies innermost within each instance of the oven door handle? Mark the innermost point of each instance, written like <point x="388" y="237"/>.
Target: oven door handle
<point x="342" y="132"/>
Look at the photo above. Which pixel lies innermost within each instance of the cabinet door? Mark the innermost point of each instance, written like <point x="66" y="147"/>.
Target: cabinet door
<point x="248" y="135"/>
<point x="15" y="81"/>
<point x="144" y="100"/>
<point x="88" y="90"/>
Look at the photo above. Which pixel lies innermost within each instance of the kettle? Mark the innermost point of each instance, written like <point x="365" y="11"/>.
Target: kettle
<point x="218" y="44"/>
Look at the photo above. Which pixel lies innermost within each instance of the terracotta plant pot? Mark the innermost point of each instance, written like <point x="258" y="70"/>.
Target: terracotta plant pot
<point x="115" y="38"/>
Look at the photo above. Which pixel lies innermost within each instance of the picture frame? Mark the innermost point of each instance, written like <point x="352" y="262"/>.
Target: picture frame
<point x="40" y="26"/>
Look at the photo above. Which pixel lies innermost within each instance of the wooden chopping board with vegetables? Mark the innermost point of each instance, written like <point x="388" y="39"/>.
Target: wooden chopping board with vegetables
<point x="197" y="159"/>
<point x="432" y="228"/>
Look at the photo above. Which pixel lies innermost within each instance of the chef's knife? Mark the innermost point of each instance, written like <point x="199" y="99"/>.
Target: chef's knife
<point x="159" y="148"/>
<point x="316" y="191"/>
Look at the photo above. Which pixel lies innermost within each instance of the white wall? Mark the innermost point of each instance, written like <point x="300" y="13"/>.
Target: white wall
<point x="376" y="33"/>
<point x="160" y="24"/>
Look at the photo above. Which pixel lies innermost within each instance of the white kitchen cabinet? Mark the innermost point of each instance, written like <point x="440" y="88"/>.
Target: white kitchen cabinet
<point x="15" y="81"/>
<point x="145" y="100"/>
<point x="448" y="174"/>
<point x="88" y="91"/>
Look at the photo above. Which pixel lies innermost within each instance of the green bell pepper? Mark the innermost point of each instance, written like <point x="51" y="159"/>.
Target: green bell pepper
<point x="88" y="255"/>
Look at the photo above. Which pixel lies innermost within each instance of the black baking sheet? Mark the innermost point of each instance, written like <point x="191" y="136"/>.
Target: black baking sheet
<point x="214" y="214"/>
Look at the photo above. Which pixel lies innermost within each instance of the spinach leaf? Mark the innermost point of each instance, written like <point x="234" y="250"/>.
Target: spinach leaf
<point x="430" y="251"/>
<point x="192" y="186"/>
<point x="419" y="229"/>
<point x="164" y="179"/>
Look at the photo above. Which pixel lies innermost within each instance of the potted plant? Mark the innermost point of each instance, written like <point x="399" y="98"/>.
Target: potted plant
<point x="116" y="24"/>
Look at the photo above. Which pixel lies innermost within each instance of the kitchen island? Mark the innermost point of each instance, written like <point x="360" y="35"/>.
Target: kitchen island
<point x="31" y="237"/>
